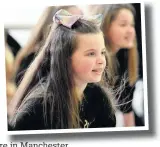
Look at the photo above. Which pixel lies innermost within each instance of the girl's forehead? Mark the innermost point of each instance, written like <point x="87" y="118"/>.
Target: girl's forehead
<point x="91" y="40"/>
<point x="83" y="35"/>
<point x="88" y="37"/>
<point x="123" y="12"/>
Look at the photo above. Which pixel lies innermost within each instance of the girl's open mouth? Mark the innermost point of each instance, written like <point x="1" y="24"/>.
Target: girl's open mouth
<point x="98" y="71"/>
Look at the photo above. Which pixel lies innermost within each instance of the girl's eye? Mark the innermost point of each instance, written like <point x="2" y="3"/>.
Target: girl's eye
<point x="91" y="54"/>
<point x="103" y="52"/>
<point x="133" y="25"/>
<point x="122" y="25"/>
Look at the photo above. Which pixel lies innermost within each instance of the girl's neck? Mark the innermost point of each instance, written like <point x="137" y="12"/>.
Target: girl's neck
<point x="80" y="89"/>
<point x="115" y="49"/>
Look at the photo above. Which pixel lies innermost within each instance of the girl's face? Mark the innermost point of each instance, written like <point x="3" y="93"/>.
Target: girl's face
<point x="121" y="33"/>
<point x="88" y="60"/>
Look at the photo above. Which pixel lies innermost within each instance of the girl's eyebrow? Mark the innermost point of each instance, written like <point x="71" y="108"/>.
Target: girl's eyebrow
<point x="94" y="50"/>
<point x="124" y="20"/>
<point x="89" y="50"/>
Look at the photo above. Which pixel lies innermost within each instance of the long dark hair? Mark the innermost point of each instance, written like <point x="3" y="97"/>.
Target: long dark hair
<point x="53" y="80"/>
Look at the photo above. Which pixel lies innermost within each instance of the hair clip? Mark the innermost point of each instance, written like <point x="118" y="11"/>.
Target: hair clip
<point x="65" y="18"/>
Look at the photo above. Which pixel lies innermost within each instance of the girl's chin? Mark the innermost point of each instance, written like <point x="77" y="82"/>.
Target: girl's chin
<point x="95" y="80"/>
<point x="128" y="45"/>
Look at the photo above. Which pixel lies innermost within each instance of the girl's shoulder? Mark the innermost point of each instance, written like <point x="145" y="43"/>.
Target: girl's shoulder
<point x="99" y="97"/>
<point x="98" y="106"/>
<point x="30" y="105"/>
<point x="95" y="90"/>
<point x="29" y="116"/>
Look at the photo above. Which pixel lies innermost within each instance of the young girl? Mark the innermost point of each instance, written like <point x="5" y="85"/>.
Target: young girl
<point x="120" y="39"/>
<point x="57" y="91"/>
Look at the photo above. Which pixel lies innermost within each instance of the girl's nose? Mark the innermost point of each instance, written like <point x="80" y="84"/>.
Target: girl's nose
<point x="131" y="29"/>
<point x="101" y="59"/>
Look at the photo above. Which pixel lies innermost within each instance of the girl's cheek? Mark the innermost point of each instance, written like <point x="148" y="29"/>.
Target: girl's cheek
<point x="84" y="67"/>
<point x="134" y="33"/>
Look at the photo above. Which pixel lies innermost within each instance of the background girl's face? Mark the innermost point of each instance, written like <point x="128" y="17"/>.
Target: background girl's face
<point x="121" y="33"/>
<point x="88" y="60"/>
